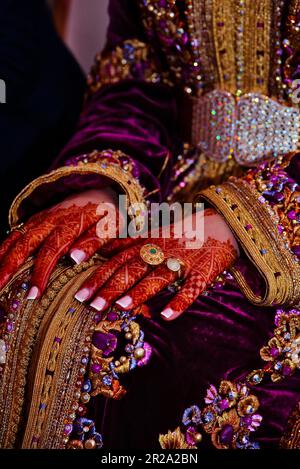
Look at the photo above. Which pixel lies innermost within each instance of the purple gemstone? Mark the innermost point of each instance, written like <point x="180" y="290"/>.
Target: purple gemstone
<point x="280" y="229"/>
<point x="274" y="352"/>
<point x="292" y="215"/>
<point x="96" y="368"/>
<point x="15" y="304"/>
<point x="10" y="327"/>
<point x="296" y="250"/>
<point x="247" y="421"/>
<point x="224" y="404"/>
<point x="286" y="370"/>
<point x="105" y="342"/>
<point x="190" y="436"/>
<point x="226" y="435"/>
<point x="112" y="316"/>
<point x="68" y="429"/>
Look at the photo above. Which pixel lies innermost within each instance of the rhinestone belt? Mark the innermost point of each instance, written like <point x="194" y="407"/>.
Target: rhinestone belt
<point x="250" y="128"/>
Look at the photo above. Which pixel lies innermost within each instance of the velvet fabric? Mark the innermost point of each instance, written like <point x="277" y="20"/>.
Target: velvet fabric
<point x="220" y="336"/>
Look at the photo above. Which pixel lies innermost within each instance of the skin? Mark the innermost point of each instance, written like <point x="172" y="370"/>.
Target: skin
<point x="72" y="227"/>
<point x="130" y="282"/>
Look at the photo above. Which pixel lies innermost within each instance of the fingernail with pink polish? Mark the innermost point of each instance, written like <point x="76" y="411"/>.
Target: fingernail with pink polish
<point x="78" y="256"/>
<point x="33" y="293"/>
<point x="99" y="303"/>
<point x="167" y="313"/>
<point x="125" y="301"/>
<point x="83" y="295"/>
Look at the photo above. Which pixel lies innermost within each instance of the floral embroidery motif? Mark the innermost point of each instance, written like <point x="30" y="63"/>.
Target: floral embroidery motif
<point x="230" y="416"/>
<point x="132" y="60"/>
<point x="105" y="369"/>
<point x="282" y="353"/>
<point x="282" y="194"/>
<point x="175" y="440"/>
<point x="84" y="435"/>
<point x="102" y="371"/>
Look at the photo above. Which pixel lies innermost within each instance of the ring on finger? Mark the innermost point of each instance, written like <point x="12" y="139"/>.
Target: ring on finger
<point x="152" y="254"/>
<point x="175" y="265"/>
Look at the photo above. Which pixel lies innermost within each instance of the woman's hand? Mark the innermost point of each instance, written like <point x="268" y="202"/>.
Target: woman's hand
<point x="128" y="273"/>
<point x="69" y="227"/>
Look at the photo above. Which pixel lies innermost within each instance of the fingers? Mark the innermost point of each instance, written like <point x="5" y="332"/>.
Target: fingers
<point x="58" y="244"/>
<point x="15" y="235"/>
<point x="104" y="273"/>
<point x="9" y="242"/>
<point x="193" y="287"/>
<point x="151" y="285"/>
<point x="125" y="278"/>
<point x="86" y="246"/>
<point x="36" y="232"/>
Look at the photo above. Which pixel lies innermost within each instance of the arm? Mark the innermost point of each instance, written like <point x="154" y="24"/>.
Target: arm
<point x="123" y="143"/>
<point x="129" y="110"/>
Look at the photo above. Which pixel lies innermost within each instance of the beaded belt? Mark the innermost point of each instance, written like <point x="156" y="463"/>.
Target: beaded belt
<point x="250" y="128"/>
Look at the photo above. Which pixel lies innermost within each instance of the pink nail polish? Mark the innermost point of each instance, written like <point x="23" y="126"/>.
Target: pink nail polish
<point x="78" y="256"/>
<point x="83" y="295"/>
<point x="98" y="303"/>
<point x="167" y="313"/>
<point x="125" y="301"/>
<point x="33" y="293"/>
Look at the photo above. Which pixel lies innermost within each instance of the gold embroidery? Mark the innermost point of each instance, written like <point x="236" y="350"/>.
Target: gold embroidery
<point x="112" y="170"/>
<point x="133" y="59"/>
<point x="224" y="38"/>
<point x="252" y="223"/>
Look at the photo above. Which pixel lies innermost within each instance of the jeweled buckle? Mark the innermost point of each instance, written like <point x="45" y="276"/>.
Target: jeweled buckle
<point x="249" y="128"/>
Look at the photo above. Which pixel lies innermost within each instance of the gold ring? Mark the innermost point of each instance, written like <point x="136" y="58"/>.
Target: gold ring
<point x="175" y="265"/>
<point x="152" y="254"/>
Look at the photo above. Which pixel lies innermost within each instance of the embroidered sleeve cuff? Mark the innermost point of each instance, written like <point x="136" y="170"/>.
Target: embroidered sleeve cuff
<point x="94" y="170"/>
<point x="131" y="60"/>
<point x="260" y="233"/>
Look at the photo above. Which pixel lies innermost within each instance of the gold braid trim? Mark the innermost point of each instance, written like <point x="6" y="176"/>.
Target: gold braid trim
<point x="291" y="437"/>
<point x="252" y="224"/>
<point x="107" y="164"/>
<point x="132" y="59"/>
<point x="56" y="365"/>
<point x="26" y="325"/>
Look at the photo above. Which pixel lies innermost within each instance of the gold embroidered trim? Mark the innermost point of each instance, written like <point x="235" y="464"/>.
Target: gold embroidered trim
<point x="224" y="39"/>
<point x="291" y="437"/>
<point x="132" y="59"/>
<point x="20" y="344"/>
<point x="121" y="176"/>
<point x="262" y="243"/>
<point x="56" y="367"/>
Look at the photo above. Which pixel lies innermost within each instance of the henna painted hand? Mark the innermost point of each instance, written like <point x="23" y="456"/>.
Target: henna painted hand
<point x="128" y="273"/>
<point x="71" y="226"/>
